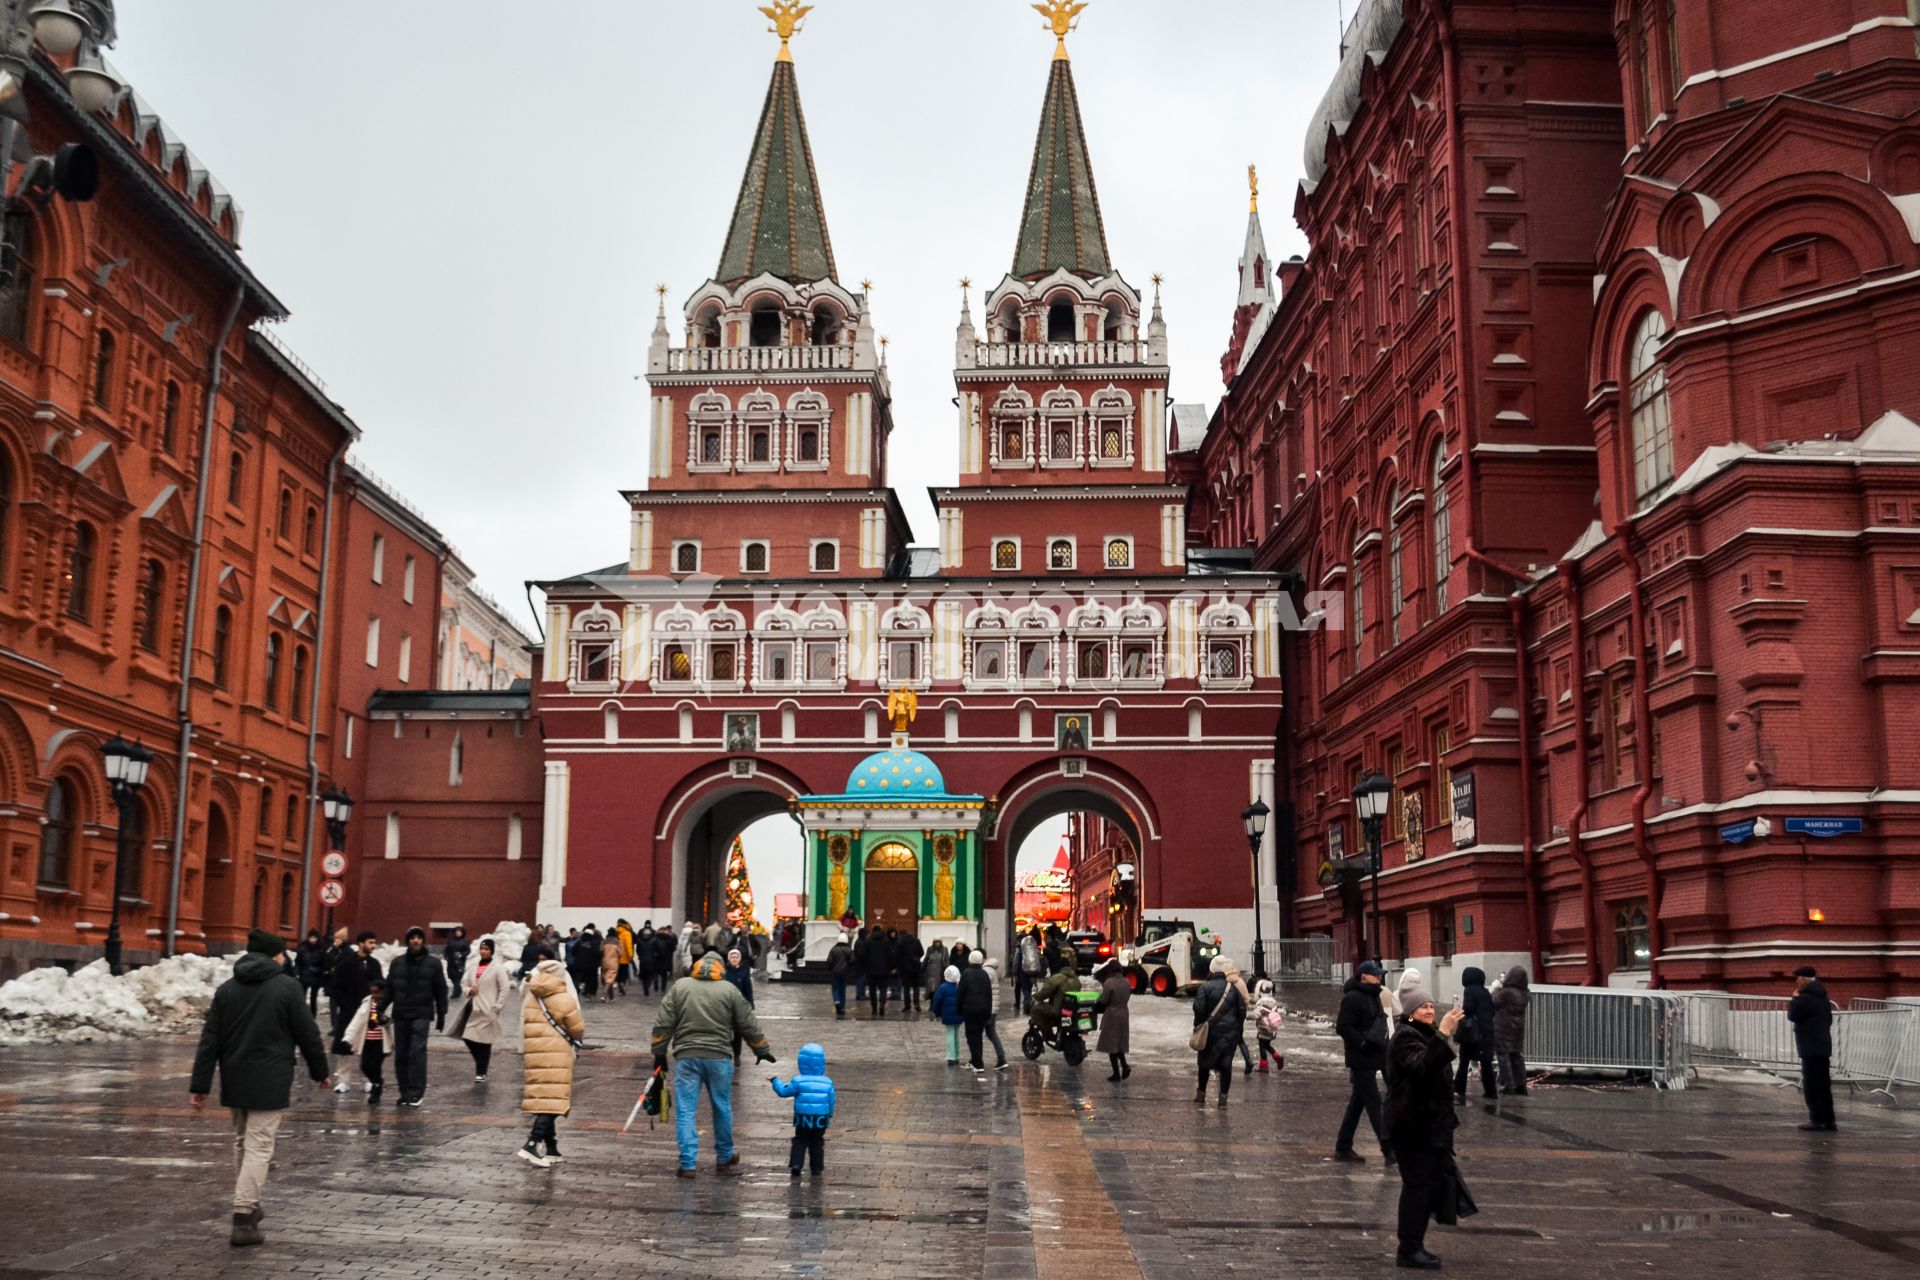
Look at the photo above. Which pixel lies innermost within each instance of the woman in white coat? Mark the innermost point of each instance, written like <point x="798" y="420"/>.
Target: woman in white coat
<point x="488" y="987"/>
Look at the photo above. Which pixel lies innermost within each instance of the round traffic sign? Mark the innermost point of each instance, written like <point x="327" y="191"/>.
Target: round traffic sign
<point x="334" y="864"/>
<point x="332" y="893"/>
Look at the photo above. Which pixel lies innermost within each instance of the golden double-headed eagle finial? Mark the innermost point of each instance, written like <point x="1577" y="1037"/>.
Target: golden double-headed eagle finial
<point x="1063" y="16"/>
<point x="1253" y="183"/>
<point x="788" y="17"/>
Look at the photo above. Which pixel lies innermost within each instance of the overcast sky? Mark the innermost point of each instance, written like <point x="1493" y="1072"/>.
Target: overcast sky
<point x="467" y="203"/>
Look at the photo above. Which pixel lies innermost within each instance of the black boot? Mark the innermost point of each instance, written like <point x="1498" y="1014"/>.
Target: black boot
<point x="246" y="1230"/>
<point x="1417" y="1259"/>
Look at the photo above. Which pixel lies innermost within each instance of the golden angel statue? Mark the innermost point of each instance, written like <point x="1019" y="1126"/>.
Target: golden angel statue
<point x="903" y="704"/>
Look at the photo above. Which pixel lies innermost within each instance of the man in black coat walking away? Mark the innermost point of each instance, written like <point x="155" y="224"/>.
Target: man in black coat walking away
<point x="1362" y="1027"/>
<point x="1476" y="1034"/>
<point x="907" y="954"/>
<point x="1420" y="1119"/>
<point x="256" y="1022"/>
<point x="1510" y="1031"/>
<point x="417" y="988"/>
<point x="1811" y="1014"/>
<point x="976" y="1006"/>
<point x="310" y="967"/>
<point x="879" y="970"/>
<point x="455" y="955"/>
<point x="353" y="970"/>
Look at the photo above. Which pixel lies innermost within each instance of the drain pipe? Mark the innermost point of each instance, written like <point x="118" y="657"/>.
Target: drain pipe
<point x="313" y="692"/>
<point x="216" y="367"/>
<point x="1643" y="756"/>
<point x="1577" y="625"/>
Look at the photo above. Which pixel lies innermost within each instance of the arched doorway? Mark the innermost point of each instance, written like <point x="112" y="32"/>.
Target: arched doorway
<point x="698" y="827"/>
<point x="893" y="887"/>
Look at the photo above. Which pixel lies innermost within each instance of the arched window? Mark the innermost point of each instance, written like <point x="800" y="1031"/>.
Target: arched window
<point x="1060" y="323"/>
<point x="86" y="545"/>
<point x="826" y="557"/>
<point x="6" y="516"/>
<point x="1357" y="594"/>
<point x="1060" y="553"/>
<point x="1006" y="554"/>
<point x="290" y="825"/>
<point x="310" y="531"/>
<point x="763" y="327"/>
<point x="222" y="644"/>
<point x="286" y="900"/>
<point x="132" y="868"/>
<point x="272" y="696"/>
<point x="170" y="420"/>
<point x="754" y="558"/>
<point x="1442" y="527"/>
<point x="1396" y="584"/>
<point x="1119" y="553"/>
<point x="297" y="701"/>
<point x="1672" y="37"/>
<point x="1647" y="398"/>
<point x="103" y="370"/>
<point x="686" y="558"/>
<point x="57" y="835"/>
<point x="284" y="524"/>
<point x="236" y="476"/>
<point x="266" y="811"/>
<point x="153" y="600"/>
<point x="16" y="276"/>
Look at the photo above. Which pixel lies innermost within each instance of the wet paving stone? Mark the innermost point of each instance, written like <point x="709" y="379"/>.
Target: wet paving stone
<point x="1036" y="1172"/>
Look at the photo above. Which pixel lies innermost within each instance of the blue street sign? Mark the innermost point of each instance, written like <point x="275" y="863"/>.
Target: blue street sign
<point x="1737" y="832"/>
<point x="1825" y="828"/>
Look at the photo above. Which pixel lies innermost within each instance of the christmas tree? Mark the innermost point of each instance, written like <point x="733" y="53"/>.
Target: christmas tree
<point x="739" y="889"/>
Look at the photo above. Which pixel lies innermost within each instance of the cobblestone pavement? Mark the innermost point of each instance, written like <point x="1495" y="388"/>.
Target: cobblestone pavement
<point x="1038" y="1171"/>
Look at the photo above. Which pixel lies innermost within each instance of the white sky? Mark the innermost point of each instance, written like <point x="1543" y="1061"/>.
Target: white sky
<point x="467" y="203"/>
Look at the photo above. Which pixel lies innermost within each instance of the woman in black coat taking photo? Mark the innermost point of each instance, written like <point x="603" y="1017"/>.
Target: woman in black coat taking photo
<point x="1420" y="1119"/>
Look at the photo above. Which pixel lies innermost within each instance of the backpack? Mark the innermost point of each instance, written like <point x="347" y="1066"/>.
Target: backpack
<point x="1270" y="1021"/>
<point x="1030" y="958"/>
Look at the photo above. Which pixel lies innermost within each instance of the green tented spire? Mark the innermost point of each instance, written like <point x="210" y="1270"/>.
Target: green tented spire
<point x="1061" y="226"/>
<point x="779" y="226"/>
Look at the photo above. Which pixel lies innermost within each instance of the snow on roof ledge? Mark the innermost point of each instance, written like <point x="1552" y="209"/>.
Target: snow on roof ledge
<point x="1892" y="432"/>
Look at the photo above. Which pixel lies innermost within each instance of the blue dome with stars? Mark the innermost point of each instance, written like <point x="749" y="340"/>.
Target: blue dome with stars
<point x="896" y="773"/>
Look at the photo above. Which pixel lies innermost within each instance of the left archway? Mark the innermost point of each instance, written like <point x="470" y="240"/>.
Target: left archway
<point x="698" y="824"/>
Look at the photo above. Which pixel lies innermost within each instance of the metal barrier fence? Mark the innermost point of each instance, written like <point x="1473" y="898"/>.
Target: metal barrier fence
<point x="1740" y="1031"/>
<point x="1886" y="1043"/>
<point x="1597" y="1029"/>
<point x="1299" y="959"/>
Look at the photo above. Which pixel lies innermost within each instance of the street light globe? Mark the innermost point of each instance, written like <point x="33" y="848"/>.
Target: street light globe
<point x="93" y="88"/>
<point x="58" y="28"/>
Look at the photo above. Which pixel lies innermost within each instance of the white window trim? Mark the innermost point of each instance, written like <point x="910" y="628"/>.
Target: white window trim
<point x="373" y="643"/>
<point x="594" y="626"/>
<point x="762" y="543"/>
<point x="700" y="417"/>
<point x="1099" y="414"/>
<point x="747" y="421"/>
<point x="997" y="419"/>
<point x="977" y="682"/>
<point x="1073" y="552"/>
<point x="403" y="665"/>
<point x="813" y="549"/>
<point x="407" y="569"/>
<point x="1132" y="559"/>
<point x="379" y="559"/>
<point x="673" y="563"/>
<point x="819" y="416"/>
<point x="993" y="553"/>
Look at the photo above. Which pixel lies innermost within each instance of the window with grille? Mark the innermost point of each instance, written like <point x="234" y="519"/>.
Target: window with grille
<point x="1357" y="592"/>
<point x="760" y="444"/>
<point x="1060" y="553"/>
<point x="686" y="557"/>
<point x="720" y="662"/>
<point x="596" y="662"/>
<point x="826" y="557"/>
<point x="170" y="419"/>
<point x="990" y="660"/>
<point x="1062" y="441"/>
<point x="1113" y="443"/>
<point x="1036" y="659"/>
<point x="1119" y="553"/>
<point x="1442" y="528"/>
<point x="809" y="445"/>
<point x="1093" y="660"/>
<point x="1652" y="419"/>
<point x="903" y="660"/>
<point x="1136" y="659"/>
<point x="710" y="445"/>
<point x="1632" y="945"/>
<point x="753" y="558"/>
<point x="1011" y="447"/>
<point x="677" y="663"/>
<point x="57" y="834"/>
<point x="1006" y="554"/>
<point x="80" y="564"/>
<point x="776" y="660"/>
<point x="1442" y="774"/>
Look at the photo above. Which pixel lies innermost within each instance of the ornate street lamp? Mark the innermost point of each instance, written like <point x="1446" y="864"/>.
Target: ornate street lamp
<point x="59" y="29"/>
<point x="1254" y="819"/>
<point x="336" y="806"/>
<point x="1370" y="800"/>
<point x="127" y="764"/>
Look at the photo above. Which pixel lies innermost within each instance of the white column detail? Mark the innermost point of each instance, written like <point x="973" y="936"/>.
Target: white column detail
<point x="553" y="839"/>
<point x="1261" y="787"/>
<point x="861" y="652"/>
<point x="662" y="436"/>
<point x="558" y="623"/>
<point x="641" y="561"/>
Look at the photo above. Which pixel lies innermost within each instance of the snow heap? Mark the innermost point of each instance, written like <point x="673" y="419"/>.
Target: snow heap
<point x="50" y="1005"/>
<point x="509" y="940"/>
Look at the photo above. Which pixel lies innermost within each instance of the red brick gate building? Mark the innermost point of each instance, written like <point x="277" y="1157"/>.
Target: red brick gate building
<point x="1589" y="411"/>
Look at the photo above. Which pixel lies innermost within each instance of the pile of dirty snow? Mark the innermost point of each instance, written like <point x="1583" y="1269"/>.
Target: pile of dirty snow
<point x="509" y="940"/>
<point x="51" y="1006"/>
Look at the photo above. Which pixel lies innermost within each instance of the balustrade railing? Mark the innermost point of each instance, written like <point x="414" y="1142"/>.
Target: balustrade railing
<point x="758" y="359"/>
<point x="1047" y="355"/>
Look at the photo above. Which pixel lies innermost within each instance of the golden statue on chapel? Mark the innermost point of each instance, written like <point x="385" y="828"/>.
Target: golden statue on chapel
<point x="903" y="704"/>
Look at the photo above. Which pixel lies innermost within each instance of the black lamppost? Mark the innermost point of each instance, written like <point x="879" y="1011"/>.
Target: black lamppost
<point x="1370" y="801"/>
<point x="336" y="806"/>
<point x="127" y="764"/>
<point x="1254" y="819"/>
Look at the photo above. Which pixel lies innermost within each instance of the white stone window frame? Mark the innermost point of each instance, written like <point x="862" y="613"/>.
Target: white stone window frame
<point x="1073" y="552"/>
<point x="907" y="624"/>
<point x="809" y="410"/>
<point x="758" y="411"/>
<point x="1012" y="404"/>
<point x="1093" y="624"/>
<point x="725" y="629"/>
<point x="813" y="555"/>
<point x="823" y="625"/>
<point x="681" y="627"/>
<point x="1106" y="555"/>
<point x="1036" y="624"/>
<point x="1141" y="623"/>
<point x="673" y="554"/>
<point x="778" y="626"/>
<point x="706" y="411"/>
<point x="592" y="628"/>
<point x="1226" y="623"/>
<point x="1111" y="405"/>
<point x="989" y="626"/>
<point x="1063" y="405"/>
<point x="766" y="546"/>
<point x="993" y="553"/>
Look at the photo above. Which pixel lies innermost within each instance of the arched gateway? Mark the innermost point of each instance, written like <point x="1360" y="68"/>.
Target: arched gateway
<point x="1059" y="650"/>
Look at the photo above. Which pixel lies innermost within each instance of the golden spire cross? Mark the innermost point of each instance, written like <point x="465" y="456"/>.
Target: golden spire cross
<point x="789" y="17"/>
<point x="1063" y="16"/>
<point x="1253" y="182"/>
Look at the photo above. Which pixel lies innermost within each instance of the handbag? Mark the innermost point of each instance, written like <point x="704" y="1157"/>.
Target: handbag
<point x="1452" y="1200"/>
<point x="459" y="1027"/>
<point x="1198" y="1040"/>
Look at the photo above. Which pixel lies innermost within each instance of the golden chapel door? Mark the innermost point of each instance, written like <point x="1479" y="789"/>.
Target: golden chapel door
<point x="893" y="888"/>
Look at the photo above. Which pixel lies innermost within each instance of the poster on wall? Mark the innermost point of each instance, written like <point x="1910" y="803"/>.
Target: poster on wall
<point x="1465" y="830"/>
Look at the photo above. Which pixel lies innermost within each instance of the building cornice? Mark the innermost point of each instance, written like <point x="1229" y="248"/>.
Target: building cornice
<point x="1054" y="492"/>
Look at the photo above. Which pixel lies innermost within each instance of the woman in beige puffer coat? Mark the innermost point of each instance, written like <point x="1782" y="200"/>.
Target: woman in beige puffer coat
<point x="552" y="1028"/>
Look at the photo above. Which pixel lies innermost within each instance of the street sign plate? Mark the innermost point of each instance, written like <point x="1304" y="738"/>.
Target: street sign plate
<point x="1737" y="832"/>
<point x="1824" y="828"/>
<point x="332" y="893"/>
<point x="334" y="864"/>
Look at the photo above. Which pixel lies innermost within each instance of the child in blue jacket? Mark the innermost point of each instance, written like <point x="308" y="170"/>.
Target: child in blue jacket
<point x="946" y="1007"/>
<point x="812" y="1092"/>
